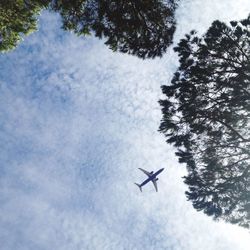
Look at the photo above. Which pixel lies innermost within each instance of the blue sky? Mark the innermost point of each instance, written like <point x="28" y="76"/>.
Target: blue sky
<point x="76" y="121"/>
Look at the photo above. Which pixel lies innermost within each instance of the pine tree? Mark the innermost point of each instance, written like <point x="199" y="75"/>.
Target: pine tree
<point x="206" y="116"/>
<point x="143" y="28"/>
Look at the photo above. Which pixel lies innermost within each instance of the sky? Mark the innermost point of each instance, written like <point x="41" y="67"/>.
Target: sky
<point x="76" y="122"/>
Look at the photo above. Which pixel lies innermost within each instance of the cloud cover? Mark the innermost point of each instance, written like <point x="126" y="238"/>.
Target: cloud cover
<point x="76" y="122"/>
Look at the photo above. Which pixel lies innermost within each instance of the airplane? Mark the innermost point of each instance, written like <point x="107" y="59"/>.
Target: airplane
<point x="151" y="177"/>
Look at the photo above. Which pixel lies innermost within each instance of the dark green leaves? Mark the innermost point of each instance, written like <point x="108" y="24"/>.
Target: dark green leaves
<point x="206" y="116"/>
<point x="143" y="28"/>
<point x="17" y="18"/>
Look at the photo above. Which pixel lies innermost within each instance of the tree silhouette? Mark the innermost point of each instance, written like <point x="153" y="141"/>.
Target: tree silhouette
<point x="143" y="28"/>
<point x="206" y="116"/>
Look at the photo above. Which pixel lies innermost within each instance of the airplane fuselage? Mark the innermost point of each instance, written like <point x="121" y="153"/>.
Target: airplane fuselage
<point x="152" y="177"/>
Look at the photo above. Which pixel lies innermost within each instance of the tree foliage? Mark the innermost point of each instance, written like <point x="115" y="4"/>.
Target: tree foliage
<point x="143" y="28"/>
<point x="206" y="116"/>
<point x="17" y="18"/>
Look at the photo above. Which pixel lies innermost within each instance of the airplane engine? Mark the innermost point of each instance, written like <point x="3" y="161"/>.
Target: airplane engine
<point x="157" y="179"/>
<point x="152" y="172"/>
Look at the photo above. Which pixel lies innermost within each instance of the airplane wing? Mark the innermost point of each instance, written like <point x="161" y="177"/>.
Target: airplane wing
<point x="146" y="172"/>
<point x="155" y="184"/>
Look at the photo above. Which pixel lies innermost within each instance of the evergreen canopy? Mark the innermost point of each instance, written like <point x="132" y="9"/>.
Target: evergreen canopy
<point x="206" y="116"/>
<point x="143" y="28"/>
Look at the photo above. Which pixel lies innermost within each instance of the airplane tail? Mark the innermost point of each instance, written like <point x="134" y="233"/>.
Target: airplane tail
<point x="138" y="185"/>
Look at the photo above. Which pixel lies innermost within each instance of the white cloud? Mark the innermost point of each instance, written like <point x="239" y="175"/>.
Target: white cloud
<point x="76" y="122"/>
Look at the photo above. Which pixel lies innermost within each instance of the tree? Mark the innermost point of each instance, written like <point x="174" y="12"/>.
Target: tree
<point x="143" y="28"/>
<point x="17" y="18"/>
<point x="206" y="117"/>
